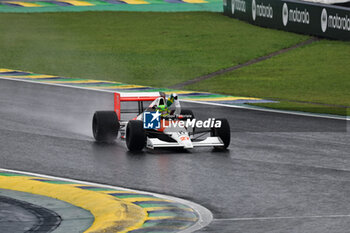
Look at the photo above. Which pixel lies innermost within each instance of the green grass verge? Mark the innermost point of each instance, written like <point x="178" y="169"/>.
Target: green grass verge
<point x="158" y="49"/>
<point x="304" y="107"/>
<point x="317" y="73"/>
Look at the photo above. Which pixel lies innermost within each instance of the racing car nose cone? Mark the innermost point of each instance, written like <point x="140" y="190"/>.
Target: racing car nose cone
<point x="183" y="139"/>
<point x="188" y="144"/>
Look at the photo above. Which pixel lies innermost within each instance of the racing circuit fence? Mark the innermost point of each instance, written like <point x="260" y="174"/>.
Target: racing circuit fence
<point x="292" y="15"/>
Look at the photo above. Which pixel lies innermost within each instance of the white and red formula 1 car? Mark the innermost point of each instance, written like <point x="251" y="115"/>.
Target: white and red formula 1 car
<point x="152" y="129"/>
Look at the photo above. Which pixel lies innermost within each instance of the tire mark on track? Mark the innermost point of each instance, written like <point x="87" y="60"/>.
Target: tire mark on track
<point x="239" y="66"/>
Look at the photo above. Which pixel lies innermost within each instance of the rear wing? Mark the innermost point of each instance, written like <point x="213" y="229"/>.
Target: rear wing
<point x="135" y="97"/>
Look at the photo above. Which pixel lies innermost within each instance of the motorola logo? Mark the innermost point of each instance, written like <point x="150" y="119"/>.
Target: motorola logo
<point x="285" y="14"/>
<point x="324" y="20"/>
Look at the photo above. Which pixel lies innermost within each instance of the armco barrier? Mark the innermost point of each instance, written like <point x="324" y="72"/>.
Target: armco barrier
<point x="293" y="15"/>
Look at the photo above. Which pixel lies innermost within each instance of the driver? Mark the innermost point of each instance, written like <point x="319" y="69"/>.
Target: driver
<point x="172" y="106"/>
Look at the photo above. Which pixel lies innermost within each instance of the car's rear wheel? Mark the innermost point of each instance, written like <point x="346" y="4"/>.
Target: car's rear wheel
<point x="135" y="135"/>
<point x="223" y="132"/>
<point x="105" y="126"/>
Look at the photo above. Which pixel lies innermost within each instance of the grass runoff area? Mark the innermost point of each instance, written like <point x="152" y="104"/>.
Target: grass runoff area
<point x="163" y="49"/>
<point x="314" y="78"/>
<point x="157" y="49"/>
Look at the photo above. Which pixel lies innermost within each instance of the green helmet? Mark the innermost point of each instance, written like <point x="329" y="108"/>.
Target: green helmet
<point x="162" y="108"/>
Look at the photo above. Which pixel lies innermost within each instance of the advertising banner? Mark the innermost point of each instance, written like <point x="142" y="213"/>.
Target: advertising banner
<point x="292" y="15"/>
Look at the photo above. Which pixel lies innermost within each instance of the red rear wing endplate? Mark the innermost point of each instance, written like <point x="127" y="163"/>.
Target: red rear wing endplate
<point x="135" y="97"/>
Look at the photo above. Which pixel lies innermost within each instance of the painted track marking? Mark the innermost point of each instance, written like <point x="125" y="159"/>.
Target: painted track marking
<point x="204" y="215"/>
<point x="287" y="217"/>
<point x="109" y="213"/>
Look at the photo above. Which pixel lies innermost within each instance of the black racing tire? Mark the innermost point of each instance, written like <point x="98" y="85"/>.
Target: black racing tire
<point x="223" y="132"/>
<point x="135" y="135"/>
<point x="187" y="112"/>
<point x="105" y="126"/>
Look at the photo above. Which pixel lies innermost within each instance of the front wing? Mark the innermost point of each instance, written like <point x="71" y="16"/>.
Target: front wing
<point x="208" y="142"/>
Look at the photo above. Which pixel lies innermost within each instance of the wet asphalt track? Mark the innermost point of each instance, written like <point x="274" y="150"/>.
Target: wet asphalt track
<point x="290" y="172"/>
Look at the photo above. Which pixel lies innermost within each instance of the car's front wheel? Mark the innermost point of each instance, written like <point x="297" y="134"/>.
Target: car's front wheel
<point x="223" y="132"/>
<point x="135" y="135"/>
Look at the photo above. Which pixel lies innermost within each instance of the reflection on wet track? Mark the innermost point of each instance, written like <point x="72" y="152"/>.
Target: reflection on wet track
<point x="277" y="165"/>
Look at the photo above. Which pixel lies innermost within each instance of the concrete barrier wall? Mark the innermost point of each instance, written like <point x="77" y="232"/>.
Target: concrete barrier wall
<point x="292" y="15"/>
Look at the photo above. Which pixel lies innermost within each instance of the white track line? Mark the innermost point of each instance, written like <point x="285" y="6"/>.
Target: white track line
<point x="204" y="215"/>
<point x="198" y="102"/>
<point x="272" y="110"/>
<point x="277" y="218"/>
